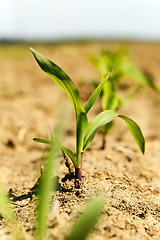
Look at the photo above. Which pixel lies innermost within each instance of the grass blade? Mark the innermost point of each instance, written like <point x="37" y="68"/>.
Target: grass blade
<point x="136" y="132"/>
<point x="47" y="185"/>
<point x="61" y="78"/>
<point x="40" y="140"/>
<point x="87" y="220"/>
<point x="101" y="119"/>
<point x="66" y="150"/>
<point x="93" y="98"/>
<point x="140" y="77"/>
<point x="70" y="155"/>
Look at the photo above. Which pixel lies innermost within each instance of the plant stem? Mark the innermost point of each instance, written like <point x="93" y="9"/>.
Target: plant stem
<point x="78" y="175"/>
<point x="103" y="142"/>
<point x="78" y="178"/>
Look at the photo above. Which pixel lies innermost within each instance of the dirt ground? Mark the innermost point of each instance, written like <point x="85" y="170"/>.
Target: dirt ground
<point x="29" y="104"/>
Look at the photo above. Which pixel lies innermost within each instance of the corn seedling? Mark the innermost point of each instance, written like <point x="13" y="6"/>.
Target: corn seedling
<point x="84" y="132"/>
<point x="110" y="101"/>
<point x="109" y="58"/>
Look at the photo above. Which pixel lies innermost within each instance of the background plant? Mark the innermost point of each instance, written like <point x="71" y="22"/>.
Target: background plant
<point x="84" y="132"/>
<point x="109" y="58"/>
<point x="123" y="68"/>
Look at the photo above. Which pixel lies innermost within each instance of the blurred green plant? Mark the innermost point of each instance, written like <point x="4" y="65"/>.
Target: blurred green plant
<point x="46" y="187"/>
<point x="123" y="67"/>
<point x="87" y="220"/>
<point x="84" y="132"/>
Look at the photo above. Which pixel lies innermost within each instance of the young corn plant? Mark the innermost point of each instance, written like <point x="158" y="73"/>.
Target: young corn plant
<point x="124" y="67"/>
<point x="110" y="101"/>
<point x="85" y="131"/>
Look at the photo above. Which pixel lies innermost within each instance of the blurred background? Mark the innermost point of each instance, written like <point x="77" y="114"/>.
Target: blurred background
<point x="49" y="20"/>
<point x="86" y="38"/>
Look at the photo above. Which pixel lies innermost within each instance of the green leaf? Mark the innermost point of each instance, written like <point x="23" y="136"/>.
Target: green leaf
<point x="136" y="132"/>
<point x="101" y="119"/>
<point x="70" y="154"/>
<point x="109" y="95"/>
<point x="47" y="185"/>
<point x="40" y="140"/>
<point x="93" y="98"/>
<point x="61" y="78"/>
<point x="65" y="149"/>
<point x="142" y="79"/>
<point x="106" y="128"/>
<point x="87" y="220"/>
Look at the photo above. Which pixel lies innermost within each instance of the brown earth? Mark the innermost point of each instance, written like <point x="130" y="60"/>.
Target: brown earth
<point x="29" y="104"/>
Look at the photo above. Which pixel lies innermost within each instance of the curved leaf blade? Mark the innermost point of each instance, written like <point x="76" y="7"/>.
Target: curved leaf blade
<point x="87" y="220"/>
<point x="141" y="78"/>
<point x="65" y="149"/>
<point x="61" y="78"/>
<point x="136" y="132"/>
<point x="100" y="120"/>
<point x="70" y="155"/>
<point x="93" y="98"/>
<point x="40" y="140"/>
